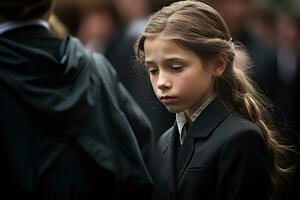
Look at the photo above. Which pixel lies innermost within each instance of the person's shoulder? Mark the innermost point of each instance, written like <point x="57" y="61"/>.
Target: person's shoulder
<point x="236" y="127"/>
<point x="75" y="53"/>
<point x="237" y="121"/>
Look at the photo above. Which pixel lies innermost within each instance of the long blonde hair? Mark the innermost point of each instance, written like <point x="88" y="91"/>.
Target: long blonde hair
<point x="200" y="28"/>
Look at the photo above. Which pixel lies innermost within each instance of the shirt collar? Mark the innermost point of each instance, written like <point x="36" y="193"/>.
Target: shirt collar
<point x="181" y="119"/>
<point x="7" y="26"/>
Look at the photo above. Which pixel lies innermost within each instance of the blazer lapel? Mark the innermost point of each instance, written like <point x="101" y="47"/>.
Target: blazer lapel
<point x="211" y="117"/>
<point x="185" y="156"/>
<point x="168" y="160"/>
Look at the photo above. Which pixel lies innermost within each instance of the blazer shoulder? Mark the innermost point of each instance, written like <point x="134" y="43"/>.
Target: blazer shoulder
<point x="236" y="126"/>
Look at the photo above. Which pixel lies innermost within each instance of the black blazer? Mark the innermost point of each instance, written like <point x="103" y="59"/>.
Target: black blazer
<point x="224" y="157"/>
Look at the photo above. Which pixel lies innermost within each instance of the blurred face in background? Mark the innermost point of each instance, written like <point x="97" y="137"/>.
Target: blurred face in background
<point x="96" y="30"/>
<point x="131" y="10"/>
<point x="97" y="25"/>
<point x="235" y="13"/>
<point x="287" y="31"/>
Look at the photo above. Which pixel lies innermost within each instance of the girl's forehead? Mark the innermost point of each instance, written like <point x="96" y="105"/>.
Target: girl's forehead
<point x="161" y="48"/>
<point x="159" y="43"/>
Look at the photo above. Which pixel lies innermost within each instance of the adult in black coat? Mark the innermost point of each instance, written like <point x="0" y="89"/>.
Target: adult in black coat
<point x="68" y="127"/>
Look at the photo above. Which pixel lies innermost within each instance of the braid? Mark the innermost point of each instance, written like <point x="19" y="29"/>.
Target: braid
<point x="239" y="92"/>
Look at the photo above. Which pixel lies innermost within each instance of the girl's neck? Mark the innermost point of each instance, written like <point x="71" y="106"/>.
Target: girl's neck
<point x="189" y="112"/>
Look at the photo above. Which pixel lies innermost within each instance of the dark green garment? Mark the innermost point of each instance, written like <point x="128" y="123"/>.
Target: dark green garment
<point x="45" y="102"/>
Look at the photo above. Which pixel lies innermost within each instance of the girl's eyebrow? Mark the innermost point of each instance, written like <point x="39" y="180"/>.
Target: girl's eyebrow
<point x="149" y="62"/>
<point x="165" y="60"/>
<point x="173" y="59"/>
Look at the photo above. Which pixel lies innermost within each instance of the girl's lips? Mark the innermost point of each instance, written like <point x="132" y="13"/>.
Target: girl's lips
<point x="168" y="100"/>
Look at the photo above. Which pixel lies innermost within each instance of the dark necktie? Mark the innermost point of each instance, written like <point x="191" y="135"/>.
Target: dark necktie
<point x="178" y="148"/>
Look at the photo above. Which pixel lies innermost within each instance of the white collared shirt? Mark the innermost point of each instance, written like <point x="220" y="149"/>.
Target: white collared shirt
<point x="7" y="26"/>
<point x="181" y="119"/>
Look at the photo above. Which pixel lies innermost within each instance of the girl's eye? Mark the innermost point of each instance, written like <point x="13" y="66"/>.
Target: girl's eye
<point x="176" y="68"/>
<point x="153" y="71"/>
<point x="151" y="68"/>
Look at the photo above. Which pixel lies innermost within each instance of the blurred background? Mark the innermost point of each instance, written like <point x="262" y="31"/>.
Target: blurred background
<point x="270" y="30"/>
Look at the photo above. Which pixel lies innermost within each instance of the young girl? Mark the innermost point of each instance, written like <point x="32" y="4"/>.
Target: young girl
<point x="221" y="146"/>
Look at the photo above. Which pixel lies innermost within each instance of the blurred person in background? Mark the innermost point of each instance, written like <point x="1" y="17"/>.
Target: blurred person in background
<point x="57" y="27"/>
<point x="288" y="67"/>
<point x="238" y="15"/>
<point x="133" y="15"/>
<point x="288" y="84"/>
<point x="69" y="13"/>
<point x="263" y="21"/>
<point x="158" y="4"/>
<point x="98" y="24"/>
<point x="67" y="125"/>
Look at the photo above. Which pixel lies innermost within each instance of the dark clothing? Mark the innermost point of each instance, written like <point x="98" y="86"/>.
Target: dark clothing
<point x="67" y="124"/>
<point x="223" y="157"/>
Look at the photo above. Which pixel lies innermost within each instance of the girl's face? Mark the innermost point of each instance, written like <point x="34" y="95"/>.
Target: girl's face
<point x="177" y="75"/>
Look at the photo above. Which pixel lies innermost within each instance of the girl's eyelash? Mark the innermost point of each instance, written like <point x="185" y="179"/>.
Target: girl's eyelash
<point x="152" y="71"/>
<point x="177" y="68"/>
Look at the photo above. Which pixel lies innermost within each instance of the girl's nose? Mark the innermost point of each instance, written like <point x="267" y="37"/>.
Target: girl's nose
<point x="163" y="82"/>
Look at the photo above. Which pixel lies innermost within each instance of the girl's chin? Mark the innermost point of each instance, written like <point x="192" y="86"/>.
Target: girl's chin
<point x="174" y="109"/>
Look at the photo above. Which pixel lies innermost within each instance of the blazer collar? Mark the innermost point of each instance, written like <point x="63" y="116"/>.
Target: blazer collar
<point x="203" y="126"/>
<point x="168" y="158"/>
<point x="211" y="117"/>
<point x="215" y="112"/>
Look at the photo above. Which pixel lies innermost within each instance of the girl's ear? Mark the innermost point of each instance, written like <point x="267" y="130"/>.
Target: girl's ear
<point x="218" y="64"/>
